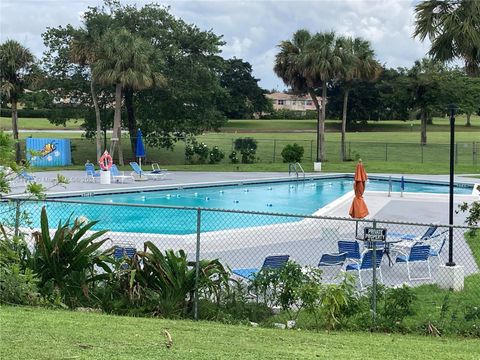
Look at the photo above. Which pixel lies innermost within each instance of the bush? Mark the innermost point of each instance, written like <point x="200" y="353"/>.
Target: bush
<point x="233" y="157"/>
<point x="247" y="148"/>
<point x="196" y="153"/>
<point x="290" y="115"/>
<point x="18" y="286"/>
<point x="27" y="113"/>
<point x="292" y="153"/>
<point x="216" y="155"/>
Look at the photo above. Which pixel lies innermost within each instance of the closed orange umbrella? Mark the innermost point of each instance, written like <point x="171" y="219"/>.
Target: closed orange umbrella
<point x="359" y="209"/>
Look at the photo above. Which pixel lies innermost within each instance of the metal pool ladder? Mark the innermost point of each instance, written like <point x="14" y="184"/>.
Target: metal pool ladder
<point x="295" y="167"/>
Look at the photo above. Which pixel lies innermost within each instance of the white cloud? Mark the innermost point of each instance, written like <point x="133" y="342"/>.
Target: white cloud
<point x="251" y="29"/>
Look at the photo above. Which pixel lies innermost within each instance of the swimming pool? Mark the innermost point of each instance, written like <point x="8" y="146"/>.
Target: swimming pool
<point x="292" y="197"/>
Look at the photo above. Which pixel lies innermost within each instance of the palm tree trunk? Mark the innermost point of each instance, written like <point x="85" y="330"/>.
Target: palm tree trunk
<point x="117" y="120"/>
<point x="18" y="156"/>
<point x="423" y="136"/>
<point x="131" y="121"/>
<point x="321" y="127"/>
<point x="344" y="122"/>
<point x="97" y="120"/>
<point x="468" y="119"/>
<point x="319" y="117"/>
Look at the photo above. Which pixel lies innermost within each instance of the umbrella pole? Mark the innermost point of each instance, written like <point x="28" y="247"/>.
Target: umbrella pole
<point x="356" y="229"/>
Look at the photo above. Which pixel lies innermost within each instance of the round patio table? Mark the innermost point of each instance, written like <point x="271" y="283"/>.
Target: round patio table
<point x="386" y="246"/>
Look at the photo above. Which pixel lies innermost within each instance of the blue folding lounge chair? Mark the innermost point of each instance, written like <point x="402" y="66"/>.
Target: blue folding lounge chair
<point x="436" y="242"/>
<point x="119" y="176"/>
<point x="124" y="252"/>
<point x="332" y="261"/>
<point x="428" y="234"/>
<point x="91" y="174"/>
<point x="149" y="175"/>
<point x="26" y="176"/>
<point x="351" y="249"/>
<point x="418" y="254"/>
<point x="366" y="264"/>
<point x="273" y="262"/>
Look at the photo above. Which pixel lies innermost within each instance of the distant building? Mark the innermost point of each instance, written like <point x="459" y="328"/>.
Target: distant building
<point x="283" y="101"/>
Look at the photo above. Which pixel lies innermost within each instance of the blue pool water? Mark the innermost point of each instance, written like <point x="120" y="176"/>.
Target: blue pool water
<point x="281" y="197"/>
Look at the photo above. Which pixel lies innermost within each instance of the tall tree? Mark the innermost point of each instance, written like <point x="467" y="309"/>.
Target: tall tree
<point x="359" y="64"/>
<point x="245" y="96"/>
<point x="427" y="78"/>
<point x="308" y="63"/>
<point x="124" y="61"/>
<point x="453" y="27"/>
<point x="84" y="49"/>
<point x="17" y="69"/>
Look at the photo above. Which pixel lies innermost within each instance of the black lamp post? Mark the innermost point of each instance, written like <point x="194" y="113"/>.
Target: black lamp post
<point x="451" y="109"/>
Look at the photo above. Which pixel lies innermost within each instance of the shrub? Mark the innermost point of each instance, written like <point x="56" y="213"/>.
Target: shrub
<point x="233" y="157"/>
<point x="196" y="153"/>
<point x="66" y="262"/>
<point x="216" y="155"/>
<point x="247" y="148"/>
<point x="18" y="286"/>
<point x="292" y="153"/>
<point x="27" y="113"/>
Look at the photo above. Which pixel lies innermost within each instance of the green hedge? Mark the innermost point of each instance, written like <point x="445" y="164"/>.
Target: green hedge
<point x="291" y="115"/>
<point x="27" y="113"/>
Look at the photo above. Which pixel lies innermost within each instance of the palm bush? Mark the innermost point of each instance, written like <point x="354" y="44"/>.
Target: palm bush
<point x="67" y="262"/>
<point x="167" y="281"/>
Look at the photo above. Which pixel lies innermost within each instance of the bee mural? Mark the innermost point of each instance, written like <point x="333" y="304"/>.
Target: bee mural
<point x="48" y="149"/>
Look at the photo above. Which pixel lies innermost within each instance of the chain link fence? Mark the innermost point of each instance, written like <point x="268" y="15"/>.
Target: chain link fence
<point x="270" y="151"/>
<point x="242" y="240"/>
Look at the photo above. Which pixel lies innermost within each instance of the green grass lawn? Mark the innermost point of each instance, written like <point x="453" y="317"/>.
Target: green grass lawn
<point x="439" y="125"/>
<point x="30" y="333"/>
<point x="38" y="124"/>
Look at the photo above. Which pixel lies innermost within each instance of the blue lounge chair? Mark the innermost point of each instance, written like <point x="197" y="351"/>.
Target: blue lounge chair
<point x="149" y="175"/>
<point x="366" y="264"/>
<point x="418" y="254"/>
<point x="328" y="261"/>
<point x="91" y="174"/>
<point x="119" y="176"/>
<point x="272" y="262"/>
<point x="124" y="252"/>
<point x="437" y="243"/>
<point x="351" y="249"/>
<point x="428" y="234"/>
<point x="26" y="176"/>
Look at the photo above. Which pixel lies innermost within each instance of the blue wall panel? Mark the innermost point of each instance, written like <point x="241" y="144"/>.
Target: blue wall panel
<point x="49" y="152"/>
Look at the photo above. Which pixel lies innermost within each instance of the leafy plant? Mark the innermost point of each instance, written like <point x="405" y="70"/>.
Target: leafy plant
<point x="247" y="148"/>
<point x="473" y="209"/>
<point x="66" y="261"/>
<point x="233" y="157"/>
<point x="292" y="153"/>
<point x="216" y="155"/>
<point x="398" y="304"/>
<point x="170" y="279"/>
<point x="195" y="152"/>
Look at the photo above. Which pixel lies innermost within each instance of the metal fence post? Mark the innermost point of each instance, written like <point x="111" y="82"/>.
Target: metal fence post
<point x="197" y="263"/>
<point x="311" y="150"/>
<point x="274" y="148"/>
<point x="421" y="149"/>
<point x="17" y="217"/>
<point x="386" y="151"/>
<point x="456" y="153"/>
<point x="374" y="279"/>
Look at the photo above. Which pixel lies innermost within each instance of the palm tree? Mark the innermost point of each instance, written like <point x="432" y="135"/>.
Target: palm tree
<point x="17" y="68"/>
<point x="359" y="65"/>
<point x="83" y="51"/>
<point x="453" y="27"/>
<point x="307" y="63"/>
<point x="123" y="61"/>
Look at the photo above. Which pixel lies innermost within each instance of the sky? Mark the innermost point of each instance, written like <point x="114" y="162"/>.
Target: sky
<point x="251" y="29"/>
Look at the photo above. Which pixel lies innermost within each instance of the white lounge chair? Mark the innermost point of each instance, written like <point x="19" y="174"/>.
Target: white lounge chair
<point x="119" y="176"/>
